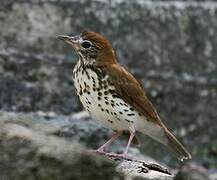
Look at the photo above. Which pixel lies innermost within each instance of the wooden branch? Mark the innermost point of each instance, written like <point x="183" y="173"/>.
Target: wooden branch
<point x="139" y="168"/>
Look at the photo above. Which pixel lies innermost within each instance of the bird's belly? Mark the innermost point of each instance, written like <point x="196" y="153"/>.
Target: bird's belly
<point x="114" y="113"/>
<point x="105" y="106"/>
<point x="118" y="115"/>
<point x="104" y="113"/>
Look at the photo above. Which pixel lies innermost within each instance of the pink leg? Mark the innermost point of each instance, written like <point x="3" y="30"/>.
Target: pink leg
<point x="114" y="137"/>
<point x="132" y="134"/>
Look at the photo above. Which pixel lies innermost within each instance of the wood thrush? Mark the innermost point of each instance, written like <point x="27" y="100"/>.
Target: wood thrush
<point x="113" y="96"/>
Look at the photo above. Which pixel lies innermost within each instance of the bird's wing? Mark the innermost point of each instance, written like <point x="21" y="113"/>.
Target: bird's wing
<point x="130" y="90"/>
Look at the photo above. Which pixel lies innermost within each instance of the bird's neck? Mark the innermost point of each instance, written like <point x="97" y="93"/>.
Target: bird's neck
<point x="84" y="61"/>
<point x="84" y="70"/>
<point x="87" y="63"/>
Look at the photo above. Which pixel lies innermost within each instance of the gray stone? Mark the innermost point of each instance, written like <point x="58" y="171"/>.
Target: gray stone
<point x="170" y="46"/>
<point x="30" y="151"/>
<point x="31" y="148"/>
<point x="192" y="171"/>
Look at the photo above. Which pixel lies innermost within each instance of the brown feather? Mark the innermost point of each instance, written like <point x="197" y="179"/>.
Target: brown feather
<point x="106" y="54"/>
<point x="130" y="90"/>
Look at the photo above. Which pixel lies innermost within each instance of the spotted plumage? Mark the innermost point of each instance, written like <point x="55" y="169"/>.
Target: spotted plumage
<point x="105" y="111"/>
<point x="113" y="96"/>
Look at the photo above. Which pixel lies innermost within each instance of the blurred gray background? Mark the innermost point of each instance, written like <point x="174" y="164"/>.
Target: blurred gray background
<point x="170" y="46"/>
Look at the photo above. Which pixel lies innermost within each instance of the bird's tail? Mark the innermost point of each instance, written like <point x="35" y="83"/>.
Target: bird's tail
<point x="170" y="141"/>
<point x="176" y="147"/>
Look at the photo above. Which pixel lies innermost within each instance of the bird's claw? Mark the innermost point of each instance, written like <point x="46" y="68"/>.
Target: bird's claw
<point x="99" y="151"/>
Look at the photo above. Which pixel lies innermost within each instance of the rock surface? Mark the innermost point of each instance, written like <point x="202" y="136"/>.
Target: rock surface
<point x="30" y="148"/>
<point x="170" y="46"/>
<point x="193" y="172"/>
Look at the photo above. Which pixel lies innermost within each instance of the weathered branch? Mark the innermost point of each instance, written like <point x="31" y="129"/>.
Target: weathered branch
<point x="139" y="168"/>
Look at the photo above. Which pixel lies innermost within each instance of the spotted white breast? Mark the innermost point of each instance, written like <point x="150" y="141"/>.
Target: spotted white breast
<point x="99" y="98"/>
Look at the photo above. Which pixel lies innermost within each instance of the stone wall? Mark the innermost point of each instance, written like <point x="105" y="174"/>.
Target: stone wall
<point x="169" y="46"/>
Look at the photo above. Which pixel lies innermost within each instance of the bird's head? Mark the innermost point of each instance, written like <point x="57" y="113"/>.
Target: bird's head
<point x="91" y="47"/>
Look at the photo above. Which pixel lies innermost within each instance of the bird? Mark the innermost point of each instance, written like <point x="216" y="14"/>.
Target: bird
<point x="113" y="96"/>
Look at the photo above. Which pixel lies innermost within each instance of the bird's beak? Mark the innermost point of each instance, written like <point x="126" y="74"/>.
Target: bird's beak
<point x="74" y="41"/>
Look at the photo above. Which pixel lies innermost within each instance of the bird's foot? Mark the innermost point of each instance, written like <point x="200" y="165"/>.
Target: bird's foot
<point x="99" y="151"/>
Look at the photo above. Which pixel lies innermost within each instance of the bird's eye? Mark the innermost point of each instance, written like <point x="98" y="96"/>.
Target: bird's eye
<point x="86" y="44"/>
